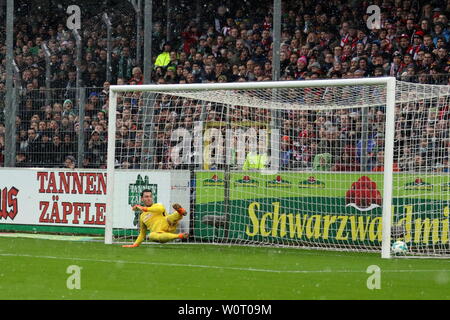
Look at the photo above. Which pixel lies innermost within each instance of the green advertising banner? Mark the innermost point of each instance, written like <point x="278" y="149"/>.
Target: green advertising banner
<point x="320" y="208"/>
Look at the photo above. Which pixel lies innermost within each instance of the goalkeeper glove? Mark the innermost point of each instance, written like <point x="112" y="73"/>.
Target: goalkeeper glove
<point x="179" y="209"/>
<point x="138" y="207"/>
<point x="130" y="246"/>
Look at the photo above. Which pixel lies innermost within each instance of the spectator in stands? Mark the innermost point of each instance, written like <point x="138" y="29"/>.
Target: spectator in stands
<point x="322" y="162"/>
<point x="68" y="109"/>
<point x="347" y="161"/>
<point x="70" y="162"/>
<point x="21" y="159"/>
<point x="379" y="165"/>
<point x="285" y="153"/>
<point x="97" y="148"/>
<point x="125" y="64"/>
<point x="163" y="58"/>
<point x="56" y="155"/>
<point x="319" y="40"/>
<point x="44" y="149"/>
<point x="31" y="145"/>
<point x="137" y="76"/>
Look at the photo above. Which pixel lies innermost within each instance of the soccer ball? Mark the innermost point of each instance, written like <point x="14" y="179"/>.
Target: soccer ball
<point x="399" y="248"/>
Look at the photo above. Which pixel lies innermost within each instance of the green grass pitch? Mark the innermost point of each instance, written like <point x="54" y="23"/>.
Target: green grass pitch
<point x="37" y="269"/>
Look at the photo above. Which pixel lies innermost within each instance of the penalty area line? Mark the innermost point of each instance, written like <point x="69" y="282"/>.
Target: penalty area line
<point x="182" y="265"/>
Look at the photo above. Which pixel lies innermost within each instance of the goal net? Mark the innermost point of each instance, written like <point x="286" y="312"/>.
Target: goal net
<point x="350" y="165"/>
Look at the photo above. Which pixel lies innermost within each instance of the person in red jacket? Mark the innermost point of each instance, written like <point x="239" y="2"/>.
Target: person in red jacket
<point x="190" y="37"/>
<point x="379" y="166"/>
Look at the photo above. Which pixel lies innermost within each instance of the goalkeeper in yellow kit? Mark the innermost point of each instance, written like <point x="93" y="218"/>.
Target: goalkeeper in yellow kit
<point x="154" y="219"/>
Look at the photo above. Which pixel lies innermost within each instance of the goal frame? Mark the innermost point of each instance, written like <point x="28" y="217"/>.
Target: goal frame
<point x="389" y="82"/>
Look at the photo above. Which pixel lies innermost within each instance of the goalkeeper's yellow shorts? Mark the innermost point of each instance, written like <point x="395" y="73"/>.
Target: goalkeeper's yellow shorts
<point x="168" y="224"/>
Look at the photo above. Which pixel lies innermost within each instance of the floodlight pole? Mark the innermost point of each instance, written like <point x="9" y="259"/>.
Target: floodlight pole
<point x="138" y="32"/>
<point x="10" y="116"/>
<point x="276" y="36"/>
<point x="148" y="34"/>
<point x="16" y="73"/>
<point x="81" y="132"/>
<point x="78" y="40"/>
<point x="80" y="100"/>
<point x="168" y="31"/>
<point x="13" y="112"/>
<point x="47" y="72"/>
<point x="108" y="23"/>
<point x="137" y="5"/>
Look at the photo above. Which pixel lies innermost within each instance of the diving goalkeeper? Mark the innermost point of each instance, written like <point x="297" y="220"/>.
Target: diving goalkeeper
<point x="154" y="219"/>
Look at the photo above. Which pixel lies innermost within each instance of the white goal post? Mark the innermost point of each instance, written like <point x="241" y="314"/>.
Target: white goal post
<point x="322" y="142"/>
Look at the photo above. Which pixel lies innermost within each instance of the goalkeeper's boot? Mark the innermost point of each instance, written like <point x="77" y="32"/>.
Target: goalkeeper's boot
<point x="183" y="236"/>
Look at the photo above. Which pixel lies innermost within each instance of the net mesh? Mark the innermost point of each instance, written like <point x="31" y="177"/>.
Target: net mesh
<point x="293" y="98"/>
<point x="293" y="166"/>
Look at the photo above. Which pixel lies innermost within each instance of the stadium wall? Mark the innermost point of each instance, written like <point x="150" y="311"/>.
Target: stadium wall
<point x="321" y="207"/>
<point x="74" y="201"/>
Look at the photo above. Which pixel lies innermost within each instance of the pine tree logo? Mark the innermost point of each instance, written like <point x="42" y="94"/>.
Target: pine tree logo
<point x="311" y="182"/>
<point x="279" y="182"/>
<point x="246" y="181"/>
<point x="419" y="184"/>
<point x="363" y="195"/>
<point x="135" y="189"/>
<point x="214" y="181"/>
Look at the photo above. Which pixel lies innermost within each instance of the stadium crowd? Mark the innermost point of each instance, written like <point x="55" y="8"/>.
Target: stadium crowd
<point x="319" y="39"/>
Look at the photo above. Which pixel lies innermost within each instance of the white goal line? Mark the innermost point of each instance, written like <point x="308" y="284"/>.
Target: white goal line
<point x="182" y="265"/>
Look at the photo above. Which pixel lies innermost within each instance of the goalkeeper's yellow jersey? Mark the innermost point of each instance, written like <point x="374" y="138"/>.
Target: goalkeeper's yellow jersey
<point x="152" y="218"/>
